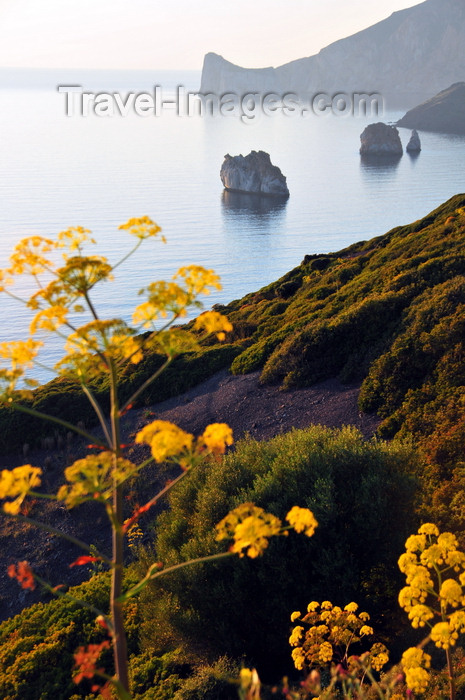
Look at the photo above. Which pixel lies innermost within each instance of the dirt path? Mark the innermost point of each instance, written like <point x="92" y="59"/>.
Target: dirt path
<point x="240" y="401"/>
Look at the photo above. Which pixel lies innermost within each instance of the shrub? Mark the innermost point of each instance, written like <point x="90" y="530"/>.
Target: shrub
<point x="357" y="490"/>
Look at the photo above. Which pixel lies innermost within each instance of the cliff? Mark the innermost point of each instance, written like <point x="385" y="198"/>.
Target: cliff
<point x="409" y="56"/>
<point x="444" y="113"/>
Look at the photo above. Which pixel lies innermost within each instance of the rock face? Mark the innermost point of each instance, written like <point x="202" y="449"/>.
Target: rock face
<point x="412" y="54"/>
<point x="253" y="173"/>
<point x="414" y="145"/>
<point x="445" y="112"/>
<point x="380" y="140"/>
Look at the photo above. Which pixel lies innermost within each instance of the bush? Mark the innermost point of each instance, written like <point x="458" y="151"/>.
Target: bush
<point x="360" y="493"/>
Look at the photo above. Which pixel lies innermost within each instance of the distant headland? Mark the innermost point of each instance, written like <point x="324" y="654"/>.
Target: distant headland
<point x="407" y="57"/>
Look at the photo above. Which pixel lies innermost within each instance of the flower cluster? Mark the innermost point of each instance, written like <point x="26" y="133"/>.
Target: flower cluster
<point x="328" y="633"/>
<point x="435" y="575"/>
<point x="142" y="227"/>
<point x="17" y="483"/>
<point x="63" y="288"/>
<point x="168" y="442"/>
<point x="415" y="662"/>
<point x="250" y="527"/>
<point x="94" y="478"/>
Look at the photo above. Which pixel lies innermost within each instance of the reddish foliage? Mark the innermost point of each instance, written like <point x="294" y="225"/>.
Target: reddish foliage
<point x="84" y="559"/>
<point x="86" y="658"/>
<point x="23" y="573"/>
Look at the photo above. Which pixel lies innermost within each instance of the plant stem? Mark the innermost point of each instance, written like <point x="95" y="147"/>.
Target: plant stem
<point x="96" y="406"/>
<point x="119" y="639"/>
<point x="59" y="421"/>
<point x="146" y="384"/>
<point x="153" y="573"/>
<point x="450" y="671"/>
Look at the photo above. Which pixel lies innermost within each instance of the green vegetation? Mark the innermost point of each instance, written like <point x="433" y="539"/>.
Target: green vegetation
<point x="361" y="494"/>
<point x="64" y="398"/>
<point x="388" y="313"/>
<point x="185" y="627"/>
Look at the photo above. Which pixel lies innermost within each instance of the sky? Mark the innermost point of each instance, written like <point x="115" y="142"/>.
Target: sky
<point x="176" y="34"/>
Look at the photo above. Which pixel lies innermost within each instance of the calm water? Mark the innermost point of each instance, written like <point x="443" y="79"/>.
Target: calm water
<point x="96" y="172"/>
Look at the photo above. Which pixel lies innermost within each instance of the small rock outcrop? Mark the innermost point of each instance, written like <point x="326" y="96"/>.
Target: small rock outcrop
<point x="380" y="140"/>
<point x="443" y="113"/>
<point x="253" y="173"/>
<point x="414" y="145"/>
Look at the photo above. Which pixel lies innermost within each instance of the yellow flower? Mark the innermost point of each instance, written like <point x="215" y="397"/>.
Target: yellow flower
<point x="49" y="319"/>
<point x="80" y="274"/>
<point x="298" y="657"/>
<point x="364" y="616"/>
<point x="415" y="657"/>
<point x="457" y="621"/>
<point x="20" y="353"/>
<point x="419" y="614"/>
<point x="213" y="322"/>
<point x="295" y="615"/>
<point x="142" y="227"/>
<point x="94" y="476"/>
<point x="366" y="629"/>
<point x="451" y="592"/>
<point x="163" y="298"/>
<point x="443" y="635"/>
<point x="432" y="556"/>
<point x="198" y="280"/>
<point x="351" y="607"/>
<point x="428" y="529"/>
<point x="406" y="561"/>
<point x="302" y="520"/>
<point x="311" y="607"/>
<point x="296" y="636"/>
<point x="455" y="559"/>
<point x="216" y="437"/>
<point x="74" y="237"/>
<point x="250" y="527"/>
<point x="417" y="679"/>
<point x="447" y="541"/>
<point x="17" y="483"/>
<point x="326" y="605"/>
<point x="166" y="440"/>
<point x="325" y="653"/>
<point x="419" y="577"/>
<point x="415" y="543"/>
<point x="409" y="597"/>
<point x="29" y="256"/>
<point x="379" y="661"/>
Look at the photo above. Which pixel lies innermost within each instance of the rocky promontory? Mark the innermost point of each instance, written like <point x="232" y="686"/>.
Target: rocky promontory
<point x="253" y="173"/>
<point x="443" y="113"/>
<point x="414" y="145"/>
<point x="408" y="57"/>
<point x="380" y="140"/>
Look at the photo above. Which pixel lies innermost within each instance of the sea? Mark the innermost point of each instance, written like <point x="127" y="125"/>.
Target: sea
<point x="97" y="171"/>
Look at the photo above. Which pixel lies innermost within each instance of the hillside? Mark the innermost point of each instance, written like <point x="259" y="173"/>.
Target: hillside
<point x="382" y="320"/>
<point x="388" y="312"/>
<point x="444" y="113"/>
<point x="412" y="54"/>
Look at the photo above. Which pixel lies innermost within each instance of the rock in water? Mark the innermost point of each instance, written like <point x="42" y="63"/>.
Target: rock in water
<point x="253" y="173"/>
<point x="380" y="140"/>
<point x="414" y="145"/>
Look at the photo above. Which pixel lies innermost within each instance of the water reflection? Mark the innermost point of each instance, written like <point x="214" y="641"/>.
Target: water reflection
<point x="264" y="214"/>
<point x="380" y="164"/>
<point x="413" y="155"/>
